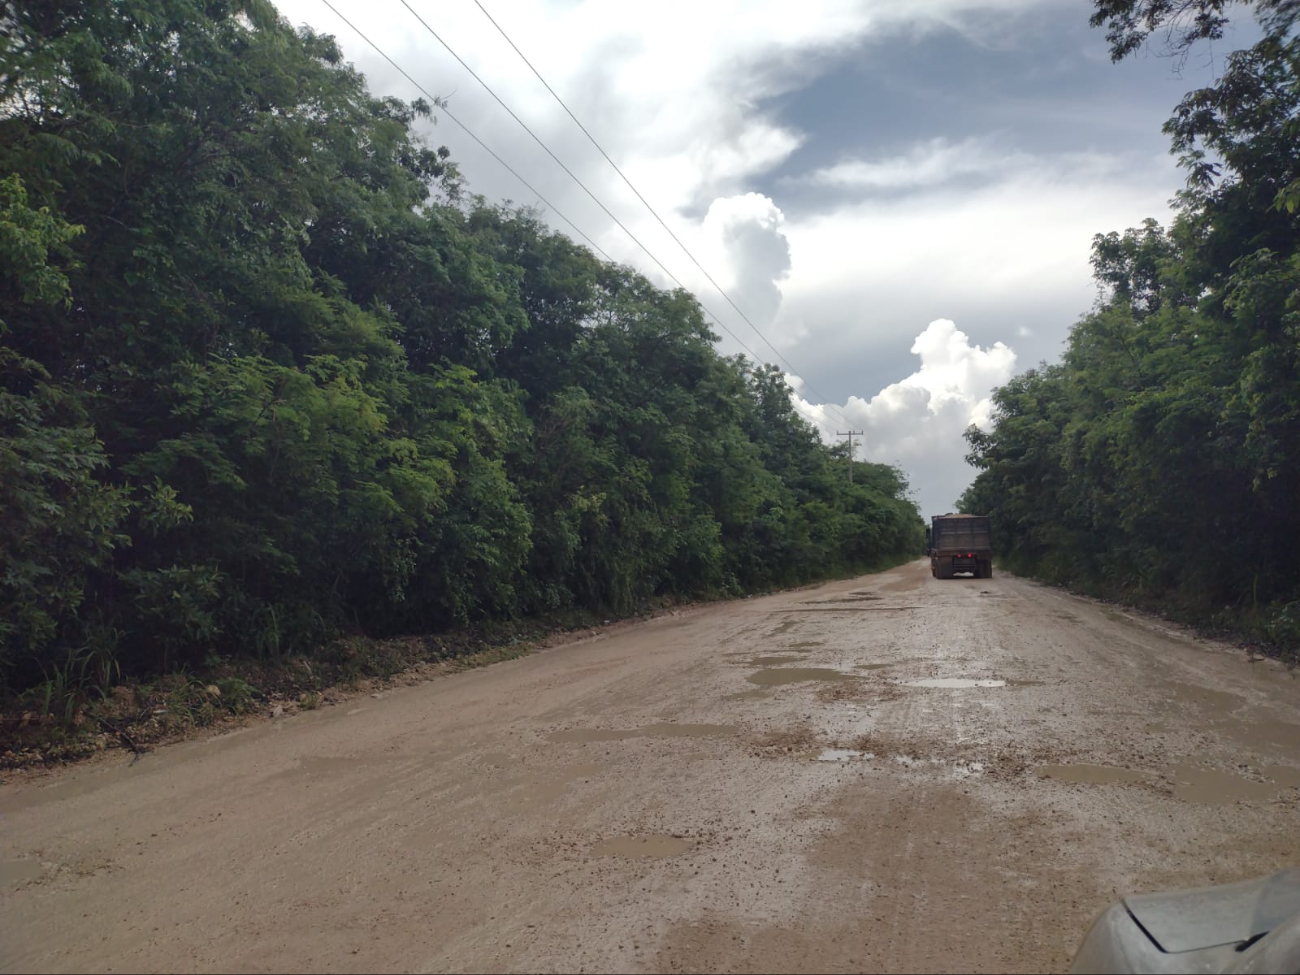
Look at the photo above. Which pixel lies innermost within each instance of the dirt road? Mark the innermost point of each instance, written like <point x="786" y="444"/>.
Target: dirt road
<point x="669" y="797"/>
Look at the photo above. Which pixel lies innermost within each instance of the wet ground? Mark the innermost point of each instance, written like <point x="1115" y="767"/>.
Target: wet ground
<point x="893" y="773"/>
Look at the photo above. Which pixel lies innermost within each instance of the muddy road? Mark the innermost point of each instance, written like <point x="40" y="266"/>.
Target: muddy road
<point x="892" y="773"/>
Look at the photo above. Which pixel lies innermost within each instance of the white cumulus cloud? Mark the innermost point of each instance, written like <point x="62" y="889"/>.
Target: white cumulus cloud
<point x="745" y="233"/>
<point x="917" y="422"/>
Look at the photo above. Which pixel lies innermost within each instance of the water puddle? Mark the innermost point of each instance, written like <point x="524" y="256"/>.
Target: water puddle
<point x="951" y="682"/>
<point x="330" y="764"/>
<point x="803" y="646"/>
<point x="1220" y="703"/>
<point x="1265" y="734"/>
<point x="649" y="731"/>
<point x="748" y="695"/>
<point x="1016" y="682"/>
<point x="873" y="666"/>
<point x="642" y="847"/>
<point x="689" y="730"/>
<point x="592" y="734"/>
<point x="542" y="791"/>
<point x="847" y="609"/>
<point x="794" y="675"/>
<point x="856" y="598"/>
<point x="1210" y="787"/>
<point x="1284" y="775"/>
<point x="842" y="755"/>
<point x="14" y="873"/>
<point x="773" y="661"/>
<point x="1092" y="774"/>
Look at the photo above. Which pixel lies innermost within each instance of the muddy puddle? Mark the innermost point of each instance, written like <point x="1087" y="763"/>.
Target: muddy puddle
<point x="1284" y="775"/>
<point x="1264" y="735"/>
<point x="1092" y="774"/>
<point x="331" y="764"/>
<point x="649" y="731"/>
<point x="1219" y="703"/>
<point x="1210" y="787"/>
<point x="803" y="646"/>
<point x="854" y="598"/>
<point x="14" y="873"/>
<point x="842" y="755"/>
<point x="951" y="682"/>
<point x="592" y="734"/>
<point x="794" y="675"/>
<point x="753" y="695"/>
<point x="650" y="847"/>
<point x="847" y="609"/>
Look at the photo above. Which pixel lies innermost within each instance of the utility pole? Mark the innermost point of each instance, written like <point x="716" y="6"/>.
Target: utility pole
<point x="851" y="434"/>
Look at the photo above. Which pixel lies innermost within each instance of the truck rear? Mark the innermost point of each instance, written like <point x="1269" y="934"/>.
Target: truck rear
<point x="961" y="543"/>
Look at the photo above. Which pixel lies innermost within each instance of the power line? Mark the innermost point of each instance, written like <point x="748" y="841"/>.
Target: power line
<point x="592" y="139"/>
<point x="468" y="131"/>
<point x="531" y="188"/>
<point x="559" y="162"/>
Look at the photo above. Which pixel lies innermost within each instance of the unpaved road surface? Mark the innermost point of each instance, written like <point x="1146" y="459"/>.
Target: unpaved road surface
<point x="653" y="799"/>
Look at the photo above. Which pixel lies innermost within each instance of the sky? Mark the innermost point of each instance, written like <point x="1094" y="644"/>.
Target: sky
<point x="900" y="196"/>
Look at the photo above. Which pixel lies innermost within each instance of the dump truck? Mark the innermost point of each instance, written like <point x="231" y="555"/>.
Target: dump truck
<point x="961" y="543"/>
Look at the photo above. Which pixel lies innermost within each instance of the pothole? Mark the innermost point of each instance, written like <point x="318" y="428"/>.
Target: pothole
<point x="842" y="755"/>
<point x="854" y="598"/>
<point x="14" y="873"/>
<point x="649" y="731"/>
<point x="591" y="734"/>
<point x="1210" y="787"/>
<point x="756" y="694"/>
<point x="951" y="682"/>
<point x="689" y="730"/>
<point x="645" y="847"/>
<point x="1284" y="775"/>
<point x="1092" y="774"/>
<point x="794" y="675"/>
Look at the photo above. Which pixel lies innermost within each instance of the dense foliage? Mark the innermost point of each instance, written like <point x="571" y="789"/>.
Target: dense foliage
<point x="271" y="376"/>
<point x="1160" y="458"/>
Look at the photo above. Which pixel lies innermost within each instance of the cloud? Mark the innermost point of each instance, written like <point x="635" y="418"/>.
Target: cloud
<point x="745" y="233"/>
<point x="1010" y="254"/>
<point x="928" y="163"/>
<point x="675" y="91"/>
<point x="917" y="422"/>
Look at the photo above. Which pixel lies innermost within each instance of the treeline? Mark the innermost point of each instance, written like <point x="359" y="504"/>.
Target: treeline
<point x="271" y="376"/>
<point x="1160" y="459"/>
